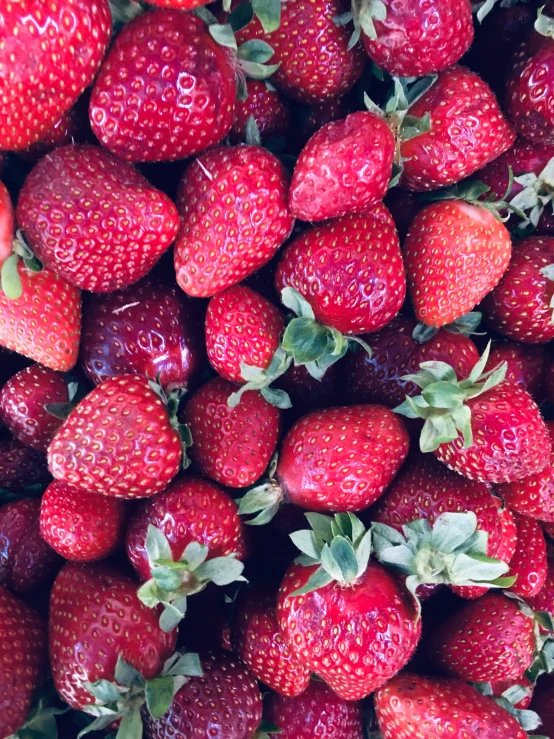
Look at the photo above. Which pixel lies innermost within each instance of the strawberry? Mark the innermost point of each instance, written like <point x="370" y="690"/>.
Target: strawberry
<point x="467" y="131"/>
<point x="404" y="207"/>
<point x="65" y="131"/>
<point x="165" y="91"/>
<point x="49" y="56"/>
<point x="354" y="628"/>
<point x="410" y="40"/>
<point x="268" y="109"/>
<point x="149" y="329"/>
<point x="79" y="525"/>
<point x="519" y="307"/>
<point x="215" y="251"/>
<point x="317" y="712"/>
<point x="232" y="446"/>
<point x="23" y="657"/>
<point x="27" y="563"/>
<point x="23" y="401"/>
<point x="523" y="689"/>
<point x="20" y="466"/>
<point x="410" y="704"/>
<point x="529" y="561"/>
<point x="526" y="365"/>
<point x="508" y="540"/>
<point x="306" y="393"/>
<point x="117" y="441"/>
<point x="308" y="119"/>
<point x="544" y="599"/>
<point x="6" y="224"/>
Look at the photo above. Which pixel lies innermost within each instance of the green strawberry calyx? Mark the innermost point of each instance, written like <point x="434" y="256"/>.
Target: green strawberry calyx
<point x="41" y="720"/>
<point x="62" y="410"/>
<point x="260" y="379"/>
<point x="442" y="403"/>
<point x="263" y="500"/>
<point x="10" y="281"/>
<point x="465" y="325"/>
<point x="528" y="720"/>
<point x="172" y="401"/>
<point x="543" y="662"/>
<point x="482" y="9"/>
<point x="125" y="696"/>
<point x="266" y="730"/>
<point x="174" y="580"/>
<point x="537" y="194"/>
<point x="548" y="272"/>
<point x="544" y="24"/>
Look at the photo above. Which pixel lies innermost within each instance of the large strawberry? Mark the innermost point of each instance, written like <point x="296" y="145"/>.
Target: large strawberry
<point x="50" y="54"/>
<point x="529" y="563"/>
<point x="6" y="224"/>
<point x="93" y="219"/>
<point x="119" y="441"/>
<point x="233" y="204"/>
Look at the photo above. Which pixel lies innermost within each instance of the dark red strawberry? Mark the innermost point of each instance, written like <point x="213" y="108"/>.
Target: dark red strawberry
<point x="308" y="119"/>
<point x="49" y="56"/>
<point x="6" y="224"/>
<point x="213" y="251"/>
<point x="149" y="329"/>
<point x="79" y="525"/>
<point x="529" y="561"/>
<point x="306" y="393"/>
<point x="20" y="466"/>
<point x="526" y="365"/>
<point x="404" y="207"/>
<point x="266" y="106"/>
<point x="166" y="90"/>
<point x="10" y="363"/>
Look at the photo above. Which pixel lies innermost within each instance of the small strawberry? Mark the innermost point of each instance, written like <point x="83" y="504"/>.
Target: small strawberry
<point x="268" y="109"/>
<point x="118" y="441"/>
<point x="233" y="204"/>
<point x="232" y="446"/>
<point x="79" y="525"/>
<point x="6" y="224"/>
<point x="526" y="365"/>
<point x="529" y="561"/>
<point x="49" y="56"/>
<point x="20" y="466"/>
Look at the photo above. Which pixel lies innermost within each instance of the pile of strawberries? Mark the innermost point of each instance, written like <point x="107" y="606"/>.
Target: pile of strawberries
<point x="276" y="369"/>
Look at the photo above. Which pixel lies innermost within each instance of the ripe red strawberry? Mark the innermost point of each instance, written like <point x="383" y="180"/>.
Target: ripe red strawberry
<point x="81" y="526"/>
<point x="44" y="323"/>
<point x="317" y="712"/>
<point x="20" y="466"/>
<point x="467" y="132"/>
<point x="266" y="106"/>
<point x="508" y="540"/>
<point x="232" y="446"/>
<point x="49" y="56"/>
<point x="26" y="563"/>
<point x="355" y="628"/>
<point x="410" y="704"/>
<point x="165" y="91"/>
<point x="6" y="224"/>
<point x="519" y="307"/>
<point x="257" y="640"/>
<point x="117" y="441"/>
<point x="529" y="561"/>
<point x="23" y="657"/>
<point x="526" y="365"/>
<point x="447" y="283"/>
<point x="487" y="639"/>
<point x="411" y="40"/>
<point x="215" y="251"/>
<point x="65" y="131"/>
<point x="544" y="599"/>
<point x="22" y="405"/>
<point x="150" y="329"/>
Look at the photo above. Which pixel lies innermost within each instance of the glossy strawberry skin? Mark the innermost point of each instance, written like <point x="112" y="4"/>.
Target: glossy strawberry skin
<point x="418" y="38"/>
<point x="93" y="219"/>
<point x="95" y="616"/>
<point x="247" y="182"/>
<point x="149" y="329"/>
<point x="544" y="600"/>
<point x="232" y="446"/>
<point x="190" y="509"/>
<point x="165" y="91"/>
<point x="317" y="712"/>
<point x="81" y="526"/>
<point x="22" y="405"/>
<point x="117" y="442"/>
<point x="344" y="168"/>
<point x="475" y="252"/>
<point x="44" y="324"/>
<point x="20" y="466"/>
<point x="242" y="327"/>
<point x="350" y="271"/>
<point x="526" y="365"/>
<point x="23" y="658"/>
<point x="268" y="109"/>
<point x="51" y="54"/>
<point x="529" y="561"/>
<point x="65" y="131"/>
<point x="341" y="459"/>
<point x="355" y="638"/>
<point x="6" y="223"/>
<point x="467" y="132"/>
<point x="519" y="307"/>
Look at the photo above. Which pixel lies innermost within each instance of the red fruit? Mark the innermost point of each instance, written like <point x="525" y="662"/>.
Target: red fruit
<point x="260" y="645"/>
<point x="20" y="466"/>
<point x="485" y="640"/>
<point x="149" y="329"/>
<point x="467" y="132"/>
<point x="49" y="56"/>
<point x="232" y="446"/>
<point x="526" y="365"/>
<point x="234" y="218"/>
<point x="434" y="706"/>
<point x="180" y="4"/>
<point x="268" y="109"/>
<point x="225" y="703"/>
<point x="508" y="541"/>
<point x="65" y="131"/>
<point x="500" y="686"/>
<point x="44" y="323"/>
<point x="350" y="271"/>
<point x="95" y="617"/>
<point x="308" y="119"/>
<point x="26" y="561"/>
<point x="22" y="405"/>
<point x="166" y="90"/>
<point x="6" y="224"/>
<point x="118" y="441"/>
<point x="544" y="600"/>
<point x="191" y="509"/>
<point x="418" y="38"/>
<point x="306" y="393"/>
<point x="81" y="526"/>
<point x="529" y="561"/>
<point x="449" y="282"/>
<point x="404" y="207"/>
<point x="317" y="712"/>
<point x="22" y="656"/>
<point x="519" y="307"/>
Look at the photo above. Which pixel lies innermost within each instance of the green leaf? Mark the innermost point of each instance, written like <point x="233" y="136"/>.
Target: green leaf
<point x="344" y="555"/>
<point x="305" y="340"/>
<point x="126" y="675"/>
<point x="462" y="419"/>
<point x="104" y="691"/>
<point x="157" y="545"/>
<point x="257" y="71"/>
<point x="184" y="664"/>
<point x="253" y="138"/>
<point x="444" y="395"/>
<point x="451" y="530"/>
<point x="479" y="367"/>
<point x="194" y="555"/>
<point x="306" y="542"/>
<point x="159" y="695"/>
<point x="265" y="516"/>
<point x="321" y="525"/>
<point x="255" y="50"/>
<point x="276" y="397"/>
<point x="260" y="498"/>
<point x="363" y="552"/>
<point x="59" y="410"/>
<point x="168" y="578"/>
<point x="319" y="579"/>
<point x="221" y="570"/>
<point x="439" y="372"/>
<point x="172" y="615"/>
<point x="297" y="303"/>
<point x="224" y="35"/>
<point x="240" y="16"/>
<point x="99" y="724"/>
<point x="130" y="726"/>
<point x="9" y="278"/>
<point x="269" y="13"/>
<point x="330" y="565"/>
<point x="150" y="593"/>
<point x="437" y="430"/>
